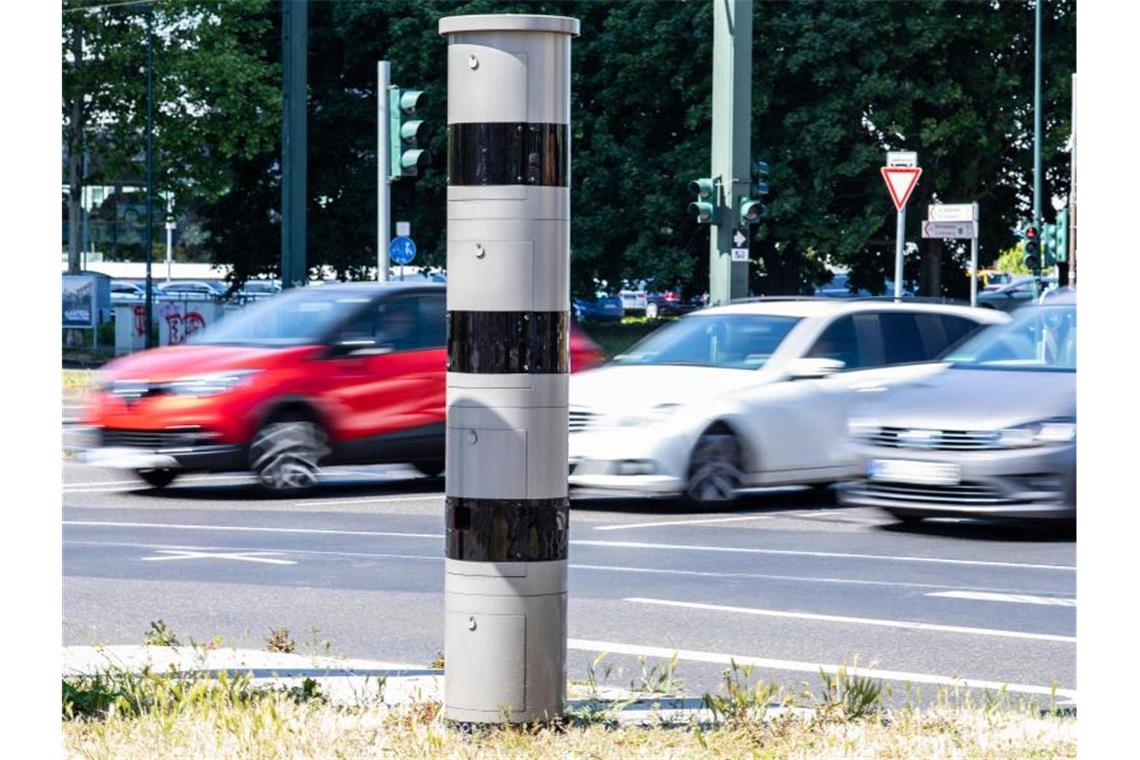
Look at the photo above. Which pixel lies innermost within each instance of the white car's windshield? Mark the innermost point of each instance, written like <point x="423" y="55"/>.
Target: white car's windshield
<point x="304" y="315"/>
<point x="738" y="341"/>
<point x="1038" y="338"/>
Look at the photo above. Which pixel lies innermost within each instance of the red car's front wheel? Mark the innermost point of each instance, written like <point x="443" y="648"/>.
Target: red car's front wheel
<point x="285" y="454"/>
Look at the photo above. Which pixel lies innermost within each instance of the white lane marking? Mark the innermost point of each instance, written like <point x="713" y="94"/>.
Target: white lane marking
<point x="692" y="655"/>
<point x="573" y="566"/>
<point x="627" y="526"/>
<point x="985" y="596"/>
<point x="174" y="554"/>
<point x="611" y="544"/>
<point x="136" y="483"/>
<point x="250" y="529"/>
<point x="368" y="500"/>
<point x="905" y="624"/>
<point x="839" y="555"/>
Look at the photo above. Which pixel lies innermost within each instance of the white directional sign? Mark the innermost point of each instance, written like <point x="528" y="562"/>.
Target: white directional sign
<point x="900" y="183"/>
<point x="952" y="212"/>
<point x="739" y="244"/>
<point x="906" y="158"/>
<point x="949" y="230"/>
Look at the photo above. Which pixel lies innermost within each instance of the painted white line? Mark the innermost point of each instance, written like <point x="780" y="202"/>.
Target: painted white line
<point x="136" y="483"/>
<point x="691" y="655"/>
<point x="908" y="625"/>
<point x="771" y="577"/>
<point x="838" y="555"/>
<point x="250" y="529"/>
<point x="175" y="554"/>
<point x="369" y="500"/>
<point x="627" y="526"/>
<point x="251" y="549"/>
<point x="984" y="596"/>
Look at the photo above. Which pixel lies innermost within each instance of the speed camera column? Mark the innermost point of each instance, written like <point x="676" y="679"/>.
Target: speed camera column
<point x="508" y="318"/>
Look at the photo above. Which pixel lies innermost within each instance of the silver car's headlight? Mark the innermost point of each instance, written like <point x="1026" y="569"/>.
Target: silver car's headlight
<point x="1042" y="433"/>
<point x="647" y="417"/>
<point x="209" y="385"/>
<point x="859" y="426"/>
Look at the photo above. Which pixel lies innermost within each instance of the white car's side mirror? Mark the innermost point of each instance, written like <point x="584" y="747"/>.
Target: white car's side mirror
<point x="809" y="368"/>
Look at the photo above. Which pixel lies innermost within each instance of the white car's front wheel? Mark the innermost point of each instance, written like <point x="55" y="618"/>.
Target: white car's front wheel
<point x="714" y="472"/>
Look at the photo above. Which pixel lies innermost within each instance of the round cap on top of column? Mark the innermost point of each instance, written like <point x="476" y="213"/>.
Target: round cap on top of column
<point x="509" y="22"/>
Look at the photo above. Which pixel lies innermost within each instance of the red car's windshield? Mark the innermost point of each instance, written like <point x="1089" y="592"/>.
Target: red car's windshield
<point x="303" y="315"/>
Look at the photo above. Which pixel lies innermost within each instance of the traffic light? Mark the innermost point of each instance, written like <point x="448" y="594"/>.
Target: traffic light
<point x="405" y="157"/>
<point x="752" y="209"/>
<point x="1032" y="249"/>
<point x="704" y="206"/>
<point x="1062" y="236"/>
<point x="1049" y="243"/>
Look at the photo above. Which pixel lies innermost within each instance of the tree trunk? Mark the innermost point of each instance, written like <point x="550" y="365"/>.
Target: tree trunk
<point x="931" y="277"/>
<point x="75" y="163"/>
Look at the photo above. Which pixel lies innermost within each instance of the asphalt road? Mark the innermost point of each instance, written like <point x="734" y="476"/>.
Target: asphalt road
<point x="356" y="569"/>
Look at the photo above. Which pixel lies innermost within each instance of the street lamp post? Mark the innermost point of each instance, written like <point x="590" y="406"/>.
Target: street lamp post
<point x="148" y="237"/>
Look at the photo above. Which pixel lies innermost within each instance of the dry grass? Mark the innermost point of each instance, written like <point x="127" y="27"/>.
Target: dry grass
<point x="78" y="379"/>
<point x="273" y="725"/>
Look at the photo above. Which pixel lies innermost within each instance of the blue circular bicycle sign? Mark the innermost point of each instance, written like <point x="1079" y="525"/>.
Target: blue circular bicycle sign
<point x="401" y="250"/>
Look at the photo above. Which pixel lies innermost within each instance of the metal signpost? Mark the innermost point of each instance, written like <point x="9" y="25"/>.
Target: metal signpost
<point x="901" y="175"/>
<point x="508" y="322"/>
<point x="956" y="221"/>
<point x="383" y="170"/>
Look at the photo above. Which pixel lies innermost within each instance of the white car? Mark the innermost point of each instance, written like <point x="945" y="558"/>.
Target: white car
<point x="751" y="394"/>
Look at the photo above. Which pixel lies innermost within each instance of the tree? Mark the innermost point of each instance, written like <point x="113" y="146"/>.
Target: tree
<point x="216" y="93"/>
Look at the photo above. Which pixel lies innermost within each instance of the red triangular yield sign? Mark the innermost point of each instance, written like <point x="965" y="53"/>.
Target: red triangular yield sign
<point x="900" y="181"/>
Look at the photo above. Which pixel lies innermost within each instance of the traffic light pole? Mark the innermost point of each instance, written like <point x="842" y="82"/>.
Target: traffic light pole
<point x="383" y="182"/>
<point x="294" y="147"/>
<point x="731" y="142"/>
<point x="1037" y="125"/>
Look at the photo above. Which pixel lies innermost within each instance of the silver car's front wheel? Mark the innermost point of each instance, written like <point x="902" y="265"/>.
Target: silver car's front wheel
<point x="714" y="474"/>
<point x="286" y="455"/>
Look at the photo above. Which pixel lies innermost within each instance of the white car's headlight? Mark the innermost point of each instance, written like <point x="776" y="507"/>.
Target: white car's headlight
<point x="209" y="385"/>
<point x="1043" y="433"/>
<point x="646" y="417"/>
<point x="859" y="426"/>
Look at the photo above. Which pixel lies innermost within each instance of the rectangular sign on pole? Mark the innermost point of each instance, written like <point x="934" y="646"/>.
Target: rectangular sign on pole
<point x="949" y="230"/>
<point x="740" y="244"/>
<point x="952" y="212"/>
<point x="902" y="158"/>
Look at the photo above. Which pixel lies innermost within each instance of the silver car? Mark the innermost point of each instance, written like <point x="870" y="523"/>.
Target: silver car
<point x="993" y="435"/>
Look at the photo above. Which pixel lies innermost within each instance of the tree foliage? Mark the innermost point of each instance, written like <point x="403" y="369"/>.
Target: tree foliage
<point x="835" y="85"/>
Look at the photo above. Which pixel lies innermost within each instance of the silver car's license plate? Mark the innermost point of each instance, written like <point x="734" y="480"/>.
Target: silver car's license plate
<point x="911" y="471"/>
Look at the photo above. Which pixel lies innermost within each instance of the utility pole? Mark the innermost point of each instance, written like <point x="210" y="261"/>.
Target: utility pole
<point x="148" y="237"/>
<point x="731" y="143"/>
<point x="383" y="180"/>
<point x="294" y="143"/>
<point x="1073" y="189"/>
<point x="1037" y="221"/>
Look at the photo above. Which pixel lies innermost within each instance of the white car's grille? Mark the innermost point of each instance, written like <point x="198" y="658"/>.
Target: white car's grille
<point x="939" y="440"/>
<point x="582" y="418"/>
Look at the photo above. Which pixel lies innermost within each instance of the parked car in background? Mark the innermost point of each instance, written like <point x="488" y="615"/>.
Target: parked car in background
<point x="190" y="290"/>
<point x="993" y="436"/>
<point x="991" y="279"/>
<point x="251" y="290"/>
<point x="337" y="374"/>
<point x="670" y="303"/>
<point x="127" y="291"/>
<point x="602" y="308"/>
<point x="750" y="394"/>
<point x="839" y="288"/>
<point x="1021" y="290"/>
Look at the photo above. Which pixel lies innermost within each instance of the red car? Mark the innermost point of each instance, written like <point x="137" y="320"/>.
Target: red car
<point x="337" y="374"/>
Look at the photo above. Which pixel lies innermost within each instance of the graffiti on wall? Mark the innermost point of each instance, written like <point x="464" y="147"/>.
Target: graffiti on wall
<point x="176" y="323"/>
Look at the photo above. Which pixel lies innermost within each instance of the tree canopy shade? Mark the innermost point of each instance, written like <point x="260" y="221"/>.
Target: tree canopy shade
<point x="835" y="85"/>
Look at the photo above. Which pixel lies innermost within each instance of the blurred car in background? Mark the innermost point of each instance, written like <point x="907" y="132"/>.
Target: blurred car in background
<point x="190" y="290"/>
<point x="994" y="435"/>
<point x="670" y="303"/>
<point x="1021" y="290"/>
<point x="602" y="308"/>
<point x="338" y="374"/>
<point x="992" y="279"/>
<point x="252" y="290"/>
<point x="127" y="291"/>
<point x="750" y="394"/>
<point x="839" y="288"/>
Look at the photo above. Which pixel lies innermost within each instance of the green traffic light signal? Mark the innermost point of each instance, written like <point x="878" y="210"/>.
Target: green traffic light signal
<point x="1048" y="243"/>
<point x="1062" y="236"/>
<point x="751" y="211"/>
<point x="405" y="157"/>
<point x="703" y="207"/>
